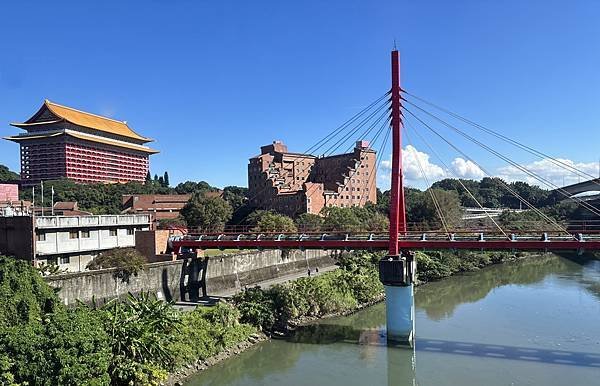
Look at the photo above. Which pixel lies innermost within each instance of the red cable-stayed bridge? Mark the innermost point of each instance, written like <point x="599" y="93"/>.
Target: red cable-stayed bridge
<point x="397" y="271"/>
<point x="556" y="237"/>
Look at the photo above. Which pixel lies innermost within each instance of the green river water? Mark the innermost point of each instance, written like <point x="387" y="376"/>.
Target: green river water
<point x="533" y="322"/>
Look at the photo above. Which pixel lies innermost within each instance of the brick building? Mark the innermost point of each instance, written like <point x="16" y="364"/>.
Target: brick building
<point x="293" y="183"/>
<point x="62" y="142"/>
<point x="159" y="206"/>
<point x="9" y="192"/>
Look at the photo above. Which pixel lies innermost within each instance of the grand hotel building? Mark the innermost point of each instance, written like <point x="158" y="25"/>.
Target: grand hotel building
<point x="62" y="142"/>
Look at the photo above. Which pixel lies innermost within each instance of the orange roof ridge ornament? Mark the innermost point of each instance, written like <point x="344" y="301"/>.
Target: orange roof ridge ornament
<point x="85" y="119"/>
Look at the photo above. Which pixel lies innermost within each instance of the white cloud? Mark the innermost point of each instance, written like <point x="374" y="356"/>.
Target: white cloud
<point x="414" y="164"/>
<point x="461" y="168"/>
<point x="550" y="171"/>
<point x="466" y="169"/>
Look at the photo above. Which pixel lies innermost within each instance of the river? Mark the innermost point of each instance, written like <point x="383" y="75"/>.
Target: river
<point x="532" y="322"/>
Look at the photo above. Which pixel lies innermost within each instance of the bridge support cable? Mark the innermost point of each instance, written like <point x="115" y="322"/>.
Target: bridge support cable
<point x="503" y="157"/>
<point x="354" y="118"/>
<point x="386" y="124"/>
<point x="366" y="132"/>
<point x="378" y="105"/>
<point x="350" y="134"/>
<point x="529" y="149"/>
<point x="502" y="183"/>
<point x="439" y="158"/>
<point x="341" y="141"/>
<point x="436" y="203"/>
<point x="373" y="143"/>
<point x="375" y="168"/>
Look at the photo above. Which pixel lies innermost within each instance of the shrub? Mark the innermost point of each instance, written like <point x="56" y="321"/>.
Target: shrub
<point x="24" y="296"/>
<point x="141" y="329"/>
<point x="257" y="307"/>
<point x="128" y="262"/>
<point x="64" y="348"/>
<point x="206" y="331"/>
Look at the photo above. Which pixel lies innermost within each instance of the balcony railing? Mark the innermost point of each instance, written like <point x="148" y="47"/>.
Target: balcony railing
<point x="45" y="222"/>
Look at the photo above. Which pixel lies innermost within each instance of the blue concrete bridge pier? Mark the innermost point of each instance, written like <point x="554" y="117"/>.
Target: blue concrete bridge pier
<point x="397" y="273"/>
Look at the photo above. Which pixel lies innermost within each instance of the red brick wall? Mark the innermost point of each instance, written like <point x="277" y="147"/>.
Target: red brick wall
<point x="9" y="192"/>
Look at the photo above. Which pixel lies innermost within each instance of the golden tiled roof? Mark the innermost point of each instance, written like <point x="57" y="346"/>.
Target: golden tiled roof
<point x="85" y="137"/>
<point x="85" y="119"/>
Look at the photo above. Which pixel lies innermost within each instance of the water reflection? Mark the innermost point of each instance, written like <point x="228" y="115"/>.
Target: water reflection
<point x="440" y="299"/>
<point x="562" y="357"/>
<point x="353" y="350"/>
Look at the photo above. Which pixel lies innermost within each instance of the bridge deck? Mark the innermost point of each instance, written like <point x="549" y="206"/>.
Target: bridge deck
<point x="413" y="241"/>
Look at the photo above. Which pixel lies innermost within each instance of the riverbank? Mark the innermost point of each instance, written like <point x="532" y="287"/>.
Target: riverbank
<point x="530" y="320"/>
<point x="177" y="378"/>
<point x="281" y="309"/>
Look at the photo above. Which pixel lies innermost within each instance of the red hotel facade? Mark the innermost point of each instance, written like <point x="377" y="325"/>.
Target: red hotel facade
<point x="62" y="142"/>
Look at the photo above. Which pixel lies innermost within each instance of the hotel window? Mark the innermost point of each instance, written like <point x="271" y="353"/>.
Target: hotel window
<point x="130" y="231"/>
<point x="73" y="235"/>
<point x="64" y="260"/>
<point x="40" y="237"/>
<point x="85" y="234"/>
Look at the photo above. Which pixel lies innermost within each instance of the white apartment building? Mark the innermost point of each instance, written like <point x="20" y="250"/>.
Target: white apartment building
<point x="71" y="242"/>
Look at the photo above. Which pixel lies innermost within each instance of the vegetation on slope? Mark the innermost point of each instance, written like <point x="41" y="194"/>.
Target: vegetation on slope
<point x="135" y="341"/>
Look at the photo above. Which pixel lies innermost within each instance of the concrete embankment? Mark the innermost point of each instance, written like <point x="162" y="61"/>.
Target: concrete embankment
<point x="181" y="279"/>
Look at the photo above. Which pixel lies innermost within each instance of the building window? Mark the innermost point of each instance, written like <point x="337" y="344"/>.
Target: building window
<point x="85" y="234"/>
<point x="130" y="231"/>
<point x="112" y="232"/>
<point x="73" y="235"/>
<point x="64" y="260"/>
<point x="40" y="237"/>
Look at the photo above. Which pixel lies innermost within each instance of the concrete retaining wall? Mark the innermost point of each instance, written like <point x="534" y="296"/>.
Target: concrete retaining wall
<point x="167" y="278"/>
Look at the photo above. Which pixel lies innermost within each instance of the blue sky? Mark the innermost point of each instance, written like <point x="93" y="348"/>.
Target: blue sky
<point x="213" y="81"/>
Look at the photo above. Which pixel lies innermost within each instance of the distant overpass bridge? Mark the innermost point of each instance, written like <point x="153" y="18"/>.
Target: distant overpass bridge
<point x="592" y="185"/>
<point x="481" y="213"/>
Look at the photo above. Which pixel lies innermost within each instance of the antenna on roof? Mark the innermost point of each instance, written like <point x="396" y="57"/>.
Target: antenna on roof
<point x="395" y="49"/>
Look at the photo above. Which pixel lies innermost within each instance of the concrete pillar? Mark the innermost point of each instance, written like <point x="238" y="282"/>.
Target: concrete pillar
<point x="400" y="313"/>
<point x="397" y="273"/>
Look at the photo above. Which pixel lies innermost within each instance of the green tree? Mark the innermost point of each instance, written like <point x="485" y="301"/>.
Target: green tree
<point x="309" y="222"/>
<point x="166" y="179"/>
<point x="189" y="187"/>
<point x="24" y="296"/>
<point x="128" y="261"/>
<point x="236" y="196"/>
<point x="148" y="177"/>
<point x="7" y="175"/>
<point x="209" y="213"/>
<point x="341" y="219"/>
<point x="422" y="212"/>
<point x="267" y="221"/>
<point x="67" y="347"/>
